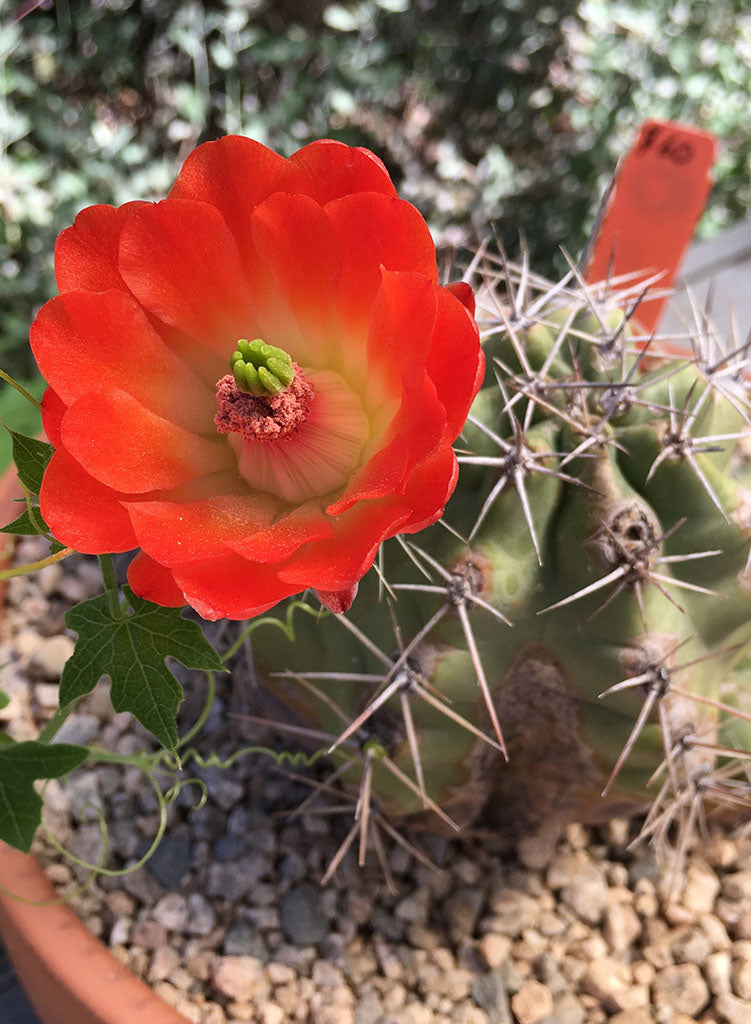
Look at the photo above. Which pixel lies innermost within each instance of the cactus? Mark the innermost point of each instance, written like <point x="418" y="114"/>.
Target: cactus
<point x="570" y="641"/>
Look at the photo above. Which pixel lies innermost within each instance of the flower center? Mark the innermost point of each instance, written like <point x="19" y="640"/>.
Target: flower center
<point x="266" y="397"/>
<point x="316" y="459"/>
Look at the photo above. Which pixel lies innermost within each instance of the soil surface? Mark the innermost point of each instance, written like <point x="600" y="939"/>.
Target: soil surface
<point x="228" y="920"/>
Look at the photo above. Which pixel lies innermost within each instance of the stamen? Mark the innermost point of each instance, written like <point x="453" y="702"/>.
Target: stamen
<point x="269" y="418"/>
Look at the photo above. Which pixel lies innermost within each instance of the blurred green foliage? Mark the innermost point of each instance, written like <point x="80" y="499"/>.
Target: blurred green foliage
<point x="507" y="110"/>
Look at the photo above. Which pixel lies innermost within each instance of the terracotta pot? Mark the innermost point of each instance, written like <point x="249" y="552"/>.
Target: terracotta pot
<point x="70" y="977"/>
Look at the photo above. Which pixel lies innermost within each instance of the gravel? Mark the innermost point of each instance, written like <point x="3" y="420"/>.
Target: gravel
<point x="228" y="921"/>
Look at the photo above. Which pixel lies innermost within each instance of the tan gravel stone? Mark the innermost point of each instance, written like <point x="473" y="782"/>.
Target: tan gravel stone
<point x="690" y="946"/>
<point x="394" y="998"/>
<point x="415" y="1013"/>
<point x="279" y="974"/>
<point x="535" y="852"/>
<point x="494" y="948"/>
<point x="608" y="980"/>
<point x="721" y="852"/>
<point x="742" y="929"/>
<point x="568" y="1008"/>
<point x="741" y="978"/>
<point x="532" y="1002"/>
<point x="241" y="1011"/>
<point x="241" y="978"/>
<point x="271" y="1013"/>
<point x="638" y="1016"/>
<point x="715" y="931"/>
<point x="213" y="1013"/>
<point x="332" y="1014"/>
<point x="511" y="911"/>
<point x="288" y="997"/>
<point x="120" y="903"/>
<point x="737" y="886"/>
<point x="680" y="988"/>
<point x="163" y="961"/>
<point x="643" y="973"/>
<point x="701" y="888"/>
<point x="622" y="926"/>
<point x="167" y="992"/>
<point x="717" y="972"/>
<point x="732" y="1009"/>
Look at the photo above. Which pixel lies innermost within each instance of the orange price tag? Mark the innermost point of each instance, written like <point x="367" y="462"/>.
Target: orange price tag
<point x="660" y="192"/>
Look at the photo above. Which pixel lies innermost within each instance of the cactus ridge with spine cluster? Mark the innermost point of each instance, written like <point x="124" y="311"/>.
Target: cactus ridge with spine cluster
<point x="571" y="640"/>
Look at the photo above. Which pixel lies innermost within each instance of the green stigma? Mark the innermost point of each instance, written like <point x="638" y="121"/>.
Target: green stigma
<point x="261" y="370"/>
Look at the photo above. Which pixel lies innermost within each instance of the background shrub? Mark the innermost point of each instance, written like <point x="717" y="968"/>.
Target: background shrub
<point x="507" y="110"/>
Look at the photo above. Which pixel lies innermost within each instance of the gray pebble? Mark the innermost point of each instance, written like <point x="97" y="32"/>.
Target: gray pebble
<point x="586" y="893"/>
<point x="201" y="916"/>
<point x="244" y="939"/>
<point x="292" y="868"/>
<point x="124" y="839"/>
<point x="80" y="729"/>
<point x="143" y="885"/>
<point x="226" y="793"/>
<point x="229" y="847"/>
<point x="170" y="862"/>
<point x="302" y="917"/>
<point x="48" y="660"/>
<point x="238" y="822"/>
<point x="87" y="844"/>
<point x="235" y="879"/>
<point x="208" y="822"/>
<point x="489" y="992"/>
<point x="369" y="1009"/>
<point x="462" y="910"/>
<point x="84" y="798"/>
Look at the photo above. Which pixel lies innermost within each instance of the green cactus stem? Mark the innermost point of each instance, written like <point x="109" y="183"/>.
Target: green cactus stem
<point x="572" y="640"/>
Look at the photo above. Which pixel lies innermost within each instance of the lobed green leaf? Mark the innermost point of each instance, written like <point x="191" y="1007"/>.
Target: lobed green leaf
<point x="27" y="524"/>
<point x="31" y="457"/>
<point x="132" y="651"/>
<point x="21" y="764"/>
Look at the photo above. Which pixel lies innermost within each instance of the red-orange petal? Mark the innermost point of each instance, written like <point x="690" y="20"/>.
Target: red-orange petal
<point x="430" y="487"/>
<point x="154" y="582"/>
<point x="231" y="587"/>
<point x="334" y="170"/>
<point x="53" y="410"/>
<point x="277" y="542"/>
<point x="86" y="254"/>
<point x="235" y="175"/>
<point x="456" y="363"/>
<point x="376" y="232"/>
<point x="130" y="449"/>
<point x="401" y="330"/>
<point x="462" y="291"/>
<point x="182" y="263"/>
<point x="186" y="531"/>
<point x="342" y="560"/>
<point x="86" y="342"/>
<point x="417" y="429"/>
<point x="81" y="512"/>
<point x="403" y="317"/>
<point x="295" y="240"/>
<point x="337" y="601"/>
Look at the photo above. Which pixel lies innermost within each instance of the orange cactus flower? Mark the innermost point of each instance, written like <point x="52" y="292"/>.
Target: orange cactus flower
<point x="256" y="381"/>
